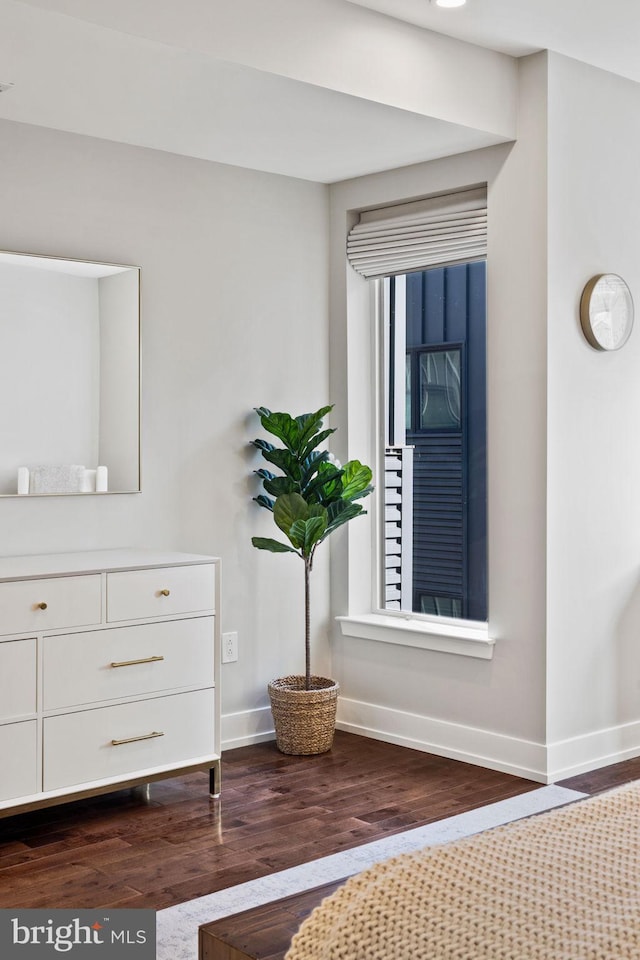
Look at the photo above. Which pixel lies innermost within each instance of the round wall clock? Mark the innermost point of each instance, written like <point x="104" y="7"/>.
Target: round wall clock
<point x="606" y="312"/>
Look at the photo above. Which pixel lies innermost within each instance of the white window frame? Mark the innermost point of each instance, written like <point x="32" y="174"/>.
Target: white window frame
<point x="366" y="618"/>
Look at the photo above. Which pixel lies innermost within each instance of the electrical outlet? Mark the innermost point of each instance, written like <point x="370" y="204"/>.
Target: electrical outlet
<point x="230" y="647"/>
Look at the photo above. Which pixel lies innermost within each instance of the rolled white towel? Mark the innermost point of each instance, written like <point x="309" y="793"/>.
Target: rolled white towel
<point x="88" y="484"/>
<point x="23" y="480"/>
<point x="102" y="479"/>
<point x="56" y="478"/>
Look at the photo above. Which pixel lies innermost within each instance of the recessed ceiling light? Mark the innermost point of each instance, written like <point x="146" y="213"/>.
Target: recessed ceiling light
<point x="449" y="3"/>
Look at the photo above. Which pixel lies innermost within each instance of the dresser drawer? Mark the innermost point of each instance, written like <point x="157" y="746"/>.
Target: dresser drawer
<point x="139" y="594"/>
<point x="17" y="679"/>
<point x="32" y="606"/>
<point x="82" y="668"/>
<point x="18" y="760"/>
<point x="79" y="747"/>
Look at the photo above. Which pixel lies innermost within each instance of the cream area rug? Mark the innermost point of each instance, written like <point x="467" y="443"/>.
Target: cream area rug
<point x="564" y="885"/>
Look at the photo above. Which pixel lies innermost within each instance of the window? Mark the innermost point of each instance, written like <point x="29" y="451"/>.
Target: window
<point x="428" y="259"/>
<point x="434" y="540"/>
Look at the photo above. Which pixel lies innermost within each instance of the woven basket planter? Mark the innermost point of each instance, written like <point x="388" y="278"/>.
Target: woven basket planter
<point x="304" y="719"/>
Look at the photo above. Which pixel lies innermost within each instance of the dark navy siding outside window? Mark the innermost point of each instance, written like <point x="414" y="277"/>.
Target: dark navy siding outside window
<point x="446" y="369"/>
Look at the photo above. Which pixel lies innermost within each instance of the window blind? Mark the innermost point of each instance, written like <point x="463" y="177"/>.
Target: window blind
<point x="414" y="236"/>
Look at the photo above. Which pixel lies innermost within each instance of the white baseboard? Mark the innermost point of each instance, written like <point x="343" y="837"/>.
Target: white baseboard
<point x="523" y="758"/>
<point x="568" y="758"/>
<point x="508" y="754"/>
<point x="247" y="727"/>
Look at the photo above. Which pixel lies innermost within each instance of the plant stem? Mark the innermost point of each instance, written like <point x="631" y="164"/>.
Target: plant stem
<point x="307" y="625"/>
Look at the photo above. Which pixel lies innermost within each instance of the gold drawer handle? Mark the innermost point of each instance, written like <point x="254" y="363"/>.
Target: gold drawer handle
<point x="147" y="736"/>
<point x="41" y="606"/>
<point x="164" y="593"/>
<point x="131" y="663"/>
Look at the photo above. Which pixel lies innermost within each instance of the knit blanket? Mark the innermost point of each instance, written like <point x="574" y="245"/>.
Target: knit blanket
<point x="563" y="885"/>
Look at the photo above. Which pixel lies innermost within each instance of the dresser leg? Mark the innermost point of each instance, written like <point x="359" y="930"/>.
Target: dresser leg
<point x="143" y="792"/>
<point x="214" y="780"/>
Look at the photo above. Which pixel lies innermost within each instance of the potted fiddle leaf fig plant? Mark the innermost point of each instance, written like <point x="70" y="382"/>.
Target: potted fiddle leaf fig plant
<point x="310" y="497"/>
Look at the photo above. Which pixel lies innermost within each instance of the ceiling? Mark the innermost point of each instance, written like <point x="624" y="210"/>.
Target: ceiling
<point x="197" y="79"/>
<point x="605" y="33"/>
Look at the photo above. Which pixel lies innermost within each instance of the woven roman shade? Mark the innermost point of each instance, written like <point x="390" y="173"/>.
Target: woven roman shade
<point x="425" y="233"/>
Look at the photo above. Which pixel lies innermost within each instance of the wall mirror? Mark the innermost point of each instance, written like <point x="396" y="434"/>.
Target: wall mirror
<point x="69" y="376"/>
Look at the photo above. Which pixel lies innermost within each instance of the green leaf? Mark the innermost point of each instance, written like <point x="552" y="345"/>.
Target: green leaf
<point x="277" y="486"/>
<point x="264" y="474"/>
<point x="287" y="509"/>
<point x="311" y="465"/>
<point x="340" y="512"/>
<point x="262" y="445"/>
<point x="305" y="534"/>
<point x="265" y="543"/>
<point x="315" y="441"/>
<point x="285" y="461"/>
<point x="316" y="527"/>
<point x="356" y="479"/>
<point x="363" y="493"/>
<point x="326" y="486"/>
<point x="296" y="534"/>
<point x="310" y="423"/>
<point x="282" y="426"/>
<point x="340" y="507"/>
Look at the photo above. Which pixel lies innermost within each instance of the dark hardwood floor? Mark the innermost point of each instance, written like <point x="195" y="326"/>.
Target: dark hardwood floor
<point x="275" y="812"/>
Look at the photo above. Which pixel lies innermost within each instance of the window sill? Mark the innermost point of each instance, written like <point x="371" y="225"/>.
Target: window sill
<point x="462" y="640"/>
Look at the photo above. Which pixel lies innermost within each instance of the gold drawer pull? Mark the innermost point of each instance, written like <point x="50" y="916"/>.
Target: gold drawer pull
<point x="41" y="606"/>
<point x="147" y="736"/>
<point x="131" y="663"/>
<point x="164" y="593"/>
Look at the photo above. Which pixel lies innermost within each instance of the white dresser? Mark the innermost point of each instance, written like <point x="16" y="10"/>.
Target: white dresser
<point x="109" y="671"/>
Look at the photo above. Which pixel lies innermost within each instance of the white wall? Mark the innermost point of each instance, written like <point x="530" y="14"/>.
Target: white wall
<point x="234" y="314"/>
<point x="48" y="413"/>
<point x="562" y="694"/>
<point x="490" y="711"/>
<point x="594" y="407"/>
